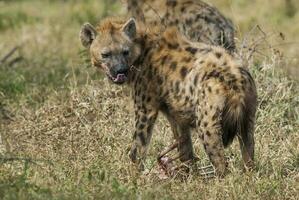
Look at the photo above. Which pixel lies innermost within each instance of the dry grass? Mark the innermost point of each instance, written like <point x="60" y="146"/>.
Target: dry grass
<point x="65" y="131"/>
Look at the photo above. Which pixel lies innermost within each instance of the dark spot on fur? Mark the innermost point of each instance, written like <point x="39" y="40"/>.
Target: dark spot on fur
<point x="231" y="82"/>
<point x="191" y="90"/>
<point x="173" y="46"/>
<point x="232" y="76"/>
<point x="198" y="123"/>
<point x="133" y="154"/>
<point x="215" y="116"/>
<point x="160" y="80"/>
<point x="205" y="50"/>
<point x="195" y="80"/>
<point x="187" y="98"/>
<point x="177" y="86"/>
<point x="141" y="126"/>
<point x="186" y="59"/>
<point x="171" y="3"/>
<point x="144" y="119"/>
<point x="149" y="128"/>
<point x="142" y="138"/>
<point x="221" y="78"/>
<point x="191" y="50"/>
<point x="243" y="88"/>
<point x="218" y="55"/>
<point x="236" y="88"/>
<point x="163" y="60"/>
<point x="208" y="133"/>
<point x="205" y="124"/>
<point x="148" y="99"/>
<point x="183" y="72"/>
<point x="134" y="135"/>
<point x="166" y="15"/>
<point x="213" y="74"/>
<point x="188" y="22"/>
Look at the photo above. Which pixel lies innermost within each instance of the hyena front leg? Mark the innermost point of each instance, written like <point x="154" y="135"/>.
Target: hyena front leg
<point x="145" y="119"/>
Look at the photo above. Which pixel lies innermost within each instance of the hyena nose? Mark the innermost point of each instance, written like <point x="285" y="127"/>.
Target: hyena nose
<point x="122" y="69"/>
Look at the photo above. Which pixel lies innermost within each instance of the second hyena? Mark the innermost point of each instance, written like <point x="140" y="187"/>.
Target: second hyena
<point x="199" y="88"/>
<point x="195" y="19"/>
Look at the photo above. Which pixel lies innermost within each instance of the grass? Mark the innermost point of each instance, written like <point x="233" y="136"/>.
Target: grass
<point x="65" y="132"/>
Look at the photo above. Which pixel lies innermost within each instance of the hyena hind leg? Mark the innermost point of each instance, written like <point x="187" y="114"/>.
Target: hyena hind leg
<point x="213" y="145"/>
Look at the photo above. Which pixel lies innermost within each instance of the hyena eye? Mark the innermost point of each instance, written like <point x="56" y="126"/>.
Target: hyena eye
<point x="125" y="52"/>
<point x="106" y="55"/>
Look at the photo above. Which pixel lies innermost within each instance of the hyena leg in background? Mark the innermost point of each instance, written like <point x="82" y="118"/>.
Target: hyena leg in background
<point x="183" y="141"/>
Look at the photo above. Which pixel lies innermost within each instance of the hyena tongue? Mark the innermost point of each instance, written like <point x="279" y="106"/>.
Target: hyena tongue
<point x="120" y="78"/>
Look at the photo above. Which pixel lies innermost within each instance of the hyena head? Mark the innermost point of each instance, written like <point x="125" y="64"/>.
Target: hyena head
<point x="112" y="47"/>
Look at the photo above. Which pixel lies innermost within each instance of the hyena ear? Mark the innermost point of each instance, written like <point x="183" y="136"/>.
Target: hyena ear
<point x="130" y="28"/>
<point x="87" y="34"/>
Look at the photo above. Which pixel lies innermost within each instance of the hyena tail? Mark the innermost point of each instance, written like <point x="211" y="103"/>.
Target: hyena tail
<point x="238" y="116"/>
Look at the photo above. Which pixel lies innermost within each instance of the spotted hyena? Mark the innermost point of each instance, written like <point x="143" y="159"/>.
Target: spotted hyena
<point x="195" y="19"/>
<point x="198" y="87"/>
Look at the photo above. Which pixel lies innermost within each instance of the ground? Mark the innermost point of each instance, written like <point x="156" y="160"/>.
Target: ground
<point x="65" y="131"/>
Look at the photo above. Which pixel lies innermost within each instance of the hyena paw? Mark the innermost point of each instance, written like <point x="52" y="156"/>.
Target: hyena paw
<point x="133" y="154"/>
<point x="135" y="159"/>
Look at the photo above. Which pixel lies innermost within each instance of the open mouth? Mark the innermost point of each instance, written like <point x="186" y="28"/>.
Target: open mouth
<point x="119" y="79"/>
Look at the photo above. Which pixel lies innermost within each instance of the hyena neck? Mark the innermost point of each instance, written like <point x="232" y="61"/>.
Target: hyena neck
<point x="140" y="62"/>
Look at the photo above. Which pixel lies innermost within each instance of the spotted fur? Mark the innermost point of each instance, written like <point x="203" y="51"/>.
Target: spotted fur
<point x="201" y="89"/>
<point x="195" y="19"/>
